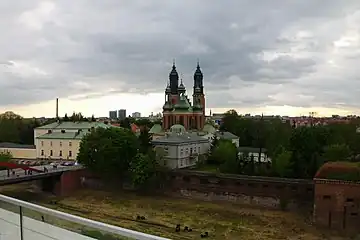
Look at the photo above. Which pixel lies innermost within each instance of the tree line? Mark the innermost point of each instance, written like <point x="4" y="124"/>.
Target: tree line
<point x="294" y="152"/>
<point x="16" y="129"/>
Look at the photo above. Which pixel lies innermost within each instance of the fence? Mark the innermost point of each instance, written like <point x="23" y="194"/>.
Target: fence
<point x="20" y="220"/>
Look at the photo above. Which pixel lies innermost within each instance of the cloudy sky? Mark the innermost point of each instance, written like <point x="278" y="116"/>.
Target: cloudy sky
<point x="283" y="57"/>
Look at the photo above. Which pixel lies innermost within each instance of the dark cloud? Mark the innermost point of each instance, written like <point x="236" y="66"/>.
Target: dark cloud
<point x="253" y="53"/>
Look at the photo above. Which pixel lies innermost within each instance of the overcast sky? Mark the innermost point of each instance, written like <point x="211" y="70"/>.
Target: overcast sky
<point x="287" y="57"/>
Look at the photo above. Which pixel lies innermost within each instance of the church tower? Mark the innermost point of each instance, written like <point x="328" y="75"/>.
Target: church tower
<point x="198" y="92"/>
<point x="178" y="109"/>
<point x="174" y="85"/>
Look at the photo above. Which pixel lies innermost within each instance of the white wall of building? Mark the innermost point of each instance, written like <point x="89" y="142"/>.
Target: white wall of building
<point x="179" y="155"/>
<point x="57" y="148"/>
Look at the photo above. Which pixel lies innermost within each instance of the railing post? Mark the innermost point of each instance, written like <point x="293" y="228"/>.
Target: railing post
<point x="21" y="223"/>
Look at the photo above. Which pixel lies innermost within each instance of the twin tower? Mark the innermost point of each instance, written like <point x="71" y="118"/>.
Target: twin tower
<point x="178" y="108"/>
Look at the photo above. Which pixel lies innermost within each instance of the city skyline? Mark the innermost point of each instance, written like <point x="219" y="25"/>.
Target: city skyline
<point x="273" y="58"/>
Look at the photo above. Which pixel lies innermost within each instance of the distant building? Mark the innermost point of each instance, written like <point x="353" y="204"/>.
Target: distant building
<point x="62" y="140"/>
<point x="136" y="115"/>
<point x="181" y="148"/>
<point x="122" y="114"/>
<point x="113" y="115"/>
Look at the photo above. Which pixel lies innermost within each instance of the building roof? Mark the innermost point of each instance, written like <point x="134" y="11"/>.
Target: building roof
<point x="65" y="135"/>
<point x="73" y="125"/>
<point x="177" y="128"/>
<point x="156" y="129"/>
<point x="251" y="149"/>
<point x="345" y="171"/>
<point x="226" y="135"/>
<point x="16" y="145"/>
<point x="179" y="139"/>
<point x="208" y="128"/>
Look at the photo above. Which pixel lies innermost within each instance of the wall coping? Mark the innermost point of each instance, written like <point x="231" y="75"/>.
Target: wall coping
<point x="242" y="177"/>
<point x="335" y="182"/>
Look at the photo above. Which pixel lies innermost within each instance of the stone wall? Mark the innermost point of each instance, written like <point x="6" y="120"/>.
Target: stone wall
<point x="263" y="191"/>
<point x="336" y="204"/>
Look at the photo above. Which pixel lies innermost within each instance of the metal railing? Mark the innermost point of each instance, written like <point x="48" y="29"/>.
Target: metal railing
<point x="22" y="209"/>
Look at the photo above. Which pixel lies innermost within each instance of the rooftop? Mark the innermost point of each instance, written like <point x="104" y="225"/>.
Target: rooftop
<point x="63" y="135"/>
<point x="226" y="135"/>
<point x="16" y="145"/>
<point x="73" y="125"/>
<point x="346" y="171"/>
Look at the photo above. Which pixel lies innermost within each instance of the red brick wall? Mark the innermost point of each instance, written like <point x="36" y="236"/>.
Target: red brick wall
<point x="70" y="181"/>
<point x="336" y="204"/>
<point x="269" y="192"/>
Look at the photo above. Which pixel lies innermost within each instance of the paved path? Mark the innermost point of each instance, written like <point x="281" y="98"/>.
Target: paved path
<point x="33" y="229"/>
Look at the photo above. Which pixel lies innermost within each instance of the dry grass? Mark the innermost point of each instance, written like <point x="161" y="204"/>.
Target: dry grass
<point x="222" y="220"/>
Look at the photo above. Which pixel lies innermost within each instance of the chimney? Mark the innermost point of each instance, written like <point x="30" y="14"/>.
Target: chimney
<point x="57" y="108"/>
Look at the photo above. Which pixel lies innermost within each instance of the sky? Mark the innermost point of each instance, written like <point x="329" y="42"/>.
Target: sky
<point x="267" y="56"/>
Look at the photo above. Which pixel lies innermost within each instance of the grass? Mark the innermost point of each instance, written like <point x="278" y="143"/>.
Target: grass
<point x="223" y="220"/>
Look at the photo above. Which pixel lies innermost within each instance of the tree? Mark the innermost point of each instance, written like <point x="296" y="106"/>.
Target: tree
<point x="77" y="117"/>
<point x="225" y="151"/>
<point x="93" y="119"/>
<point x="145" y="140"/>
<point x="143" y="169"/>
<point x="5" y="156"/>
<point x="125" y="123"/>
<point x="108" y="151"/>
<point x="66" y="118"/>
<point x="336" y="152"/>
<point x="281" y="164"/>
<point x="214" y="143"/>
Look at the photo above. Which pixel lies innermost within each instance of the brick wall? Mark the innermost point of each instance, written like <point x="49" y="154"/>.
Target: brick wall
<point x="336" y="204"/>
<point x="70" y="181"/>
<point x="264" y="191"/>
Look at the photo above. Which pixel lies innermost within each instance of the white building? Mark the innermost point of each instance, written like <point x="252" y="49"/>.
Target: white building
<point x="255" y="153"/>
<point x="181" y="149"/>
<point x="61" y="140"/>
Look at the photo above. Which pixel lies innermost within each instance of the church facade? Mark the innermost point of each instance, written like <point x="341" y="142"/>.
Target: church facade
<point x="178" y="109"/>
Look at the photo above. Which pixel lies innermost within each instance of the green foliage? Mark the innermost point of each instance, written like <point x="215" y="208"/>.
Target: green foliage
<point x="281" y="164"/>
<point x="125" y="123"/>
<point x="225" y="151"/>
<point x="144" y="122"/>
<point x="336" y="152"/>
<point x="108" y="151"/>
<point x="15" y="129"/>
<point x="5" y="156"/>
<point x="295" y="152"/>
<point x="143" y="169"/>
<point x="145" y="140"/>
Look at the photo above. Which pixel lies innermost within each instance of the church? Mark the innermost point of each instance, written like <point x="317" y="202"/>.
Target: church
<point x="178" y="108"/>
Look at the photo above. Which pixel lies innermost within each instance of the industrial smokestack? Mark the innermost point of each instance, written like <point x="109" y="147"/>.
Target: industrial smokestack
<point x="57" y="108"/>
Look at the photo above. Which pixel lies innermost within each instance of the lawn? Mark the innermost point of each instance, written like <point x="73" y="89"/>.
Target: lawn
<point x="222" y="220"/>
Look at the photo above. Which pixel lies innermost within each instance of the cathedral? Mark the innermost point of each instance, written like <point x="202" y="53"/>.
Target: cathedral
<point x="178" y="108"/>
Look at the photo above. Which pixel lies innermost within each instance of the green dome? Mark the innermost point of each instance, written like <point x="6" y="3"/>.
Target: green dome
<point x="183" y="103"/>
<point x="167" y="106"/>
<point x="177" y="128"/>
